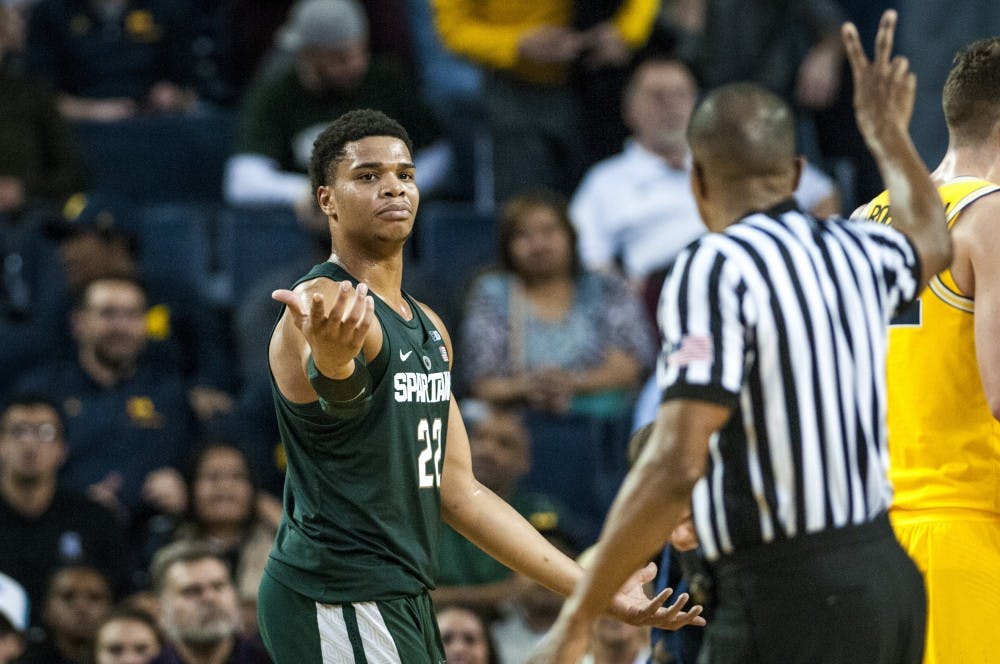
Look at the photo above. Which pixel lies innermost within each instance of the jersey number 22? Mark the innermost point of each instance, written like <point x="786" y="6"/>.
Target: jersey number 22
<point x="429" y="461"/>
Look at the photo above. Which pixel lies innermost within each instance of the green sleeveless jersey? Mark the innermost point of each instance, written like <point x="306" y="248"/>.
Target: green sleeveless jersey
<point x="362" y="502"/>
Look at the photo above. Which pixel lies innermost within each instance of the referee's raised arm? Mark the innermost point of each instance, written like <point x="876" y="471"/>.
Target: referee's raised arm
<point x="883" y="104"/>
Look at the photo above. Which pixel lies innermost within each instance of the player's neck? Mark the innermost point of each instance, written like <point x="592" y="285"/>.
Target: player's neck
<point x="384" y="276"/>
<point x="969" y="161"/>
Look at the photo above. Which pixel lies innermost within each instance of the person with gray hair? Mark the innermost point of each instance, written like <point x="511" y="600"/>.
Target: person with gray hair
<point x="328" y="69"/>
<point x="199" y="610"/>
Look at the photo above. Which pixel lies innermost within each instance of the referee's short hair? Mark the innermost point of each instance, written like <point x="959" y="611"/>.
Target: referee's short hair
<point x="743" y="130"/>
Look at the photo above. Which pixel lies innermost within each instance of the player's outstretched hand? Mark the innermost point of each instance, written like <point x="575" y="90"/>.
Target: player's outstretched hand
<point x="884" y="88"/>
<point x="631" y="604"/>
<point x="568" y="639"/>
<point x="335" y="336"/>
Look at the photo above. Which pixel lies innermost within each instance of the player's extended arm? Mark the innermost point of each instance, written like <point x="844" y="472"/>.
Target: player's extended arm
<point x="310" y="333"/>
<point x="654" y="498"/>
<point x="883" y="104"/>
<point x="495" y="527"/>
<point x="977" y="230"/>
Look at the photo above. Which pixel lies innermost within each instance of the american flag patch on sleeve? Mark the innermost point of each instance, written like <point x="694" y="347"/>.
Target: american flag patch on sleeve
<point x="691" y="348"/>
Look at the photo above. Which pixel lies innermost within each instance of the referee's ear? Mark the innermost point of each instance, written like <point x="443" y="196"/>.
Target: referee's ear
<point x="800" y="164"/>
<point x="698" y="185"/>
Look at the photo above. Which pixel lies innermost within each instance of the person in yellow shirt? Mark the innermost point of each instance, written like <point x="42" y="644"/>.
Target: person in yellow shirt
<point x="944" y="382"/>
<point x="526" y="49"/>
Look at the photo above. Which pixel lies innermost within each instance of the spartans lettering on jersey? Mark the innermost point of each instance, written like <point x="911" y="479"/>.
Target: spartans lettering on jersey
<point x="422" y="388"/>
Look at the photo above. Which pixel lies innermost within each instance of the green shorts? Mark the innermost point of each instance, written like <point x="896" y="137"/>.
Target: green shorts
<point x="299" y="630"/>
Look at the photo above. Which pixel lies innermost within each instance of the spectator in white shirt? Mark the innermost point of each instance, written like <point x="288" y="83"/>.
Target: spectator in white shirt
<point x="635" y="209"/>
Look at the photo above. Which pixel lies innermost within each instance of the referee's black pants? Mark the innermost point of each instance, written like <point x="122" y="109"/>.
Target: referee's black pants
<point x="850" y="595"/>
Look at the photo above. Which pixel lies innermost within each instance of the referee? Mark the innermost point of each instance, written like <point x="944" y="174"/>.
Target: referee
<point x="772" y="426"/>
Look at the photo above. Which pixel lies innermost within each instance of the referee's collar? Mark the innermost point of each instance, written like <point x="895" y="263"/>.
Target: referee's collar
<point x="787" y="205"/>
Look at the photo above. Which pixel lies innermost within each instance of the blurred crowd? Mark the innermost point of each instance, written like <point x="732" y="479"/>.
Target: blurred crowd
<point x="154" y="191"/>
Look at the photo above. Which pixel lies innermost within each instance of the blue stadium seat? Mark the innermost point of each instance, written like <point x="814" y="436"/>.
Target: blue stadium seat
<point x="254" y="240"/>
<point x="175" y="241"/>
<point x="580" y="461"/>
<point x="158" y="158"/>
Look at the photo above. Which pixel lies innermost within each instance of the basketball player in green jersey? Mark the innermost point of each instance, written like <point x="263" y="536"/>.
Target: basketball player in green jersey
<point x="377" y="452"/>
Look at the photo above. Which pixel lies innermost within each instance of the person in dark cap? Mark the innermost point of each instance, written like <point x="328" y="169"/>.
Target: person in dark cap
<point x="331" y="70"/>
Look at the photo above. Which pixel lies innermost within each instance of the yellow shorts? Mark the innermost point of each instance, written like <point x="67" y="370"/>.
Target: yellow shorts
<point x="959" y="556"/>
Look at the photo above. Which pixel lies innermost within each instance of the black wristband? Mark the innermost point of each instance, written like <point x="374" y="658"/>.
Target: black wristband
<point x="342" y="398"/>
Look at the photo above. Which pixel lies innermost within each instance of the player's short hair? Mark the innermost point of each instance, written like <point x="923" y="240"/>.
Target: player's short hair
<point x="971" y="98"/>
<point x="328" y="148"/>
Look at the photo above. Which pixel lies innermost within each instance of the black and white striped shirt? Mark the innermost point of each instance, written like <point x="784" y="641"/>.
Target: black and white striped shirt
<point x="784" y="318"/>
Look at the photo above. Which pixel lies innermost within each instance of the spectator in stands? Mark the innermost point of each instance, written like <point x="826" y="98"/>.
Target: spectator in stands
<point x="75" y="600"/>
<point x="332" y="72"/>
<point x="182" y="331"/>
<point x="465" y="635"/>
<point x="128" y="423"/>
<point x="44" y="526"/>
<point x="40" y="165"/>
<point x="526" y="48"/>
<point x="227" y="513"/>
<point x="13" y="619"/>
<point x="113" y="59"/>
<point x="501" y="456"/>
<point x="39" y="169"/>
<point x="127" y="636"/>
<point x="635" y="210"/>
<point x="546" y="333"/>
<point x="616" y="642"/>
<point x="200" y="612"/>
<point x="791" y="47"/>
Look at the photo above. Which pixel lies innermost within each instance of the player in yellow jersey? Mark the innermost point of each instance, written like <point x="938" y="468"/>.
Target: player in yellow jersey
<point x="944" y="383"/>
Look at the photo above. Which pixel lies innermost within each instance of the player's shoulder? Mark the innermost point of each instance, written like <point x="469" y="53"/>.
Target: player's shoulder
<point x="980" y="217"/>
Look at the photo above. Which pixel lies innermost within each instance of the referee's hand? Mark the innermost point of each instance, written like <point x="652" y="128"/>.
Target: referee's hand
<point x="884" y="88"/>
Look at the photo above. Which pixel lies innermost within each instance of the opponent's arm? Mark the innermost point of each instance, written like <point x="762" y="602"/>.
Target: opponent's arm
<point x="976" y="235"/>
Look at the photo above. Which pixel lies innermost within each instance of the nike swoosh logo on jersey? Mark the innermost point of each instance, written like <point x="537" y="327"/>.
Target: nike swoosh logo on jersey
<point x="403" y="356"/>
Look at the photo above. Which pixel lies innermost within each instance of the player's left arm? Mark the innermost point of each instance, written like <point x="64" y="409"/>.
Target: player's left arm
<point x="494" y="526"/>
<point x="486" y="519"/>
<point x="978" y="233"/>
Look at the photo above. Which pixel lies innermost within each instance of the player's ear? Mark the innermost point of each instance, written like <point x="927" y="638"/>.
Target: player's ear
<point x="324" y="196"/>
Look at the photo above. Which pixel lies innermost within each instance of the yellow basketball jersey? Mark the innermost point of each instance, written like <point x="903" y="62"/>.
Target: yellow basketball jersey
<point x="944" y="443"/>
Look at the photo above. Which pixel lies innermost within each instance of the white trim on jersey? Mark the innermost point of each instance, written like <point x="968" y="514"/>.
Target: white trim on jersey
<point x="335" y="644"/>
